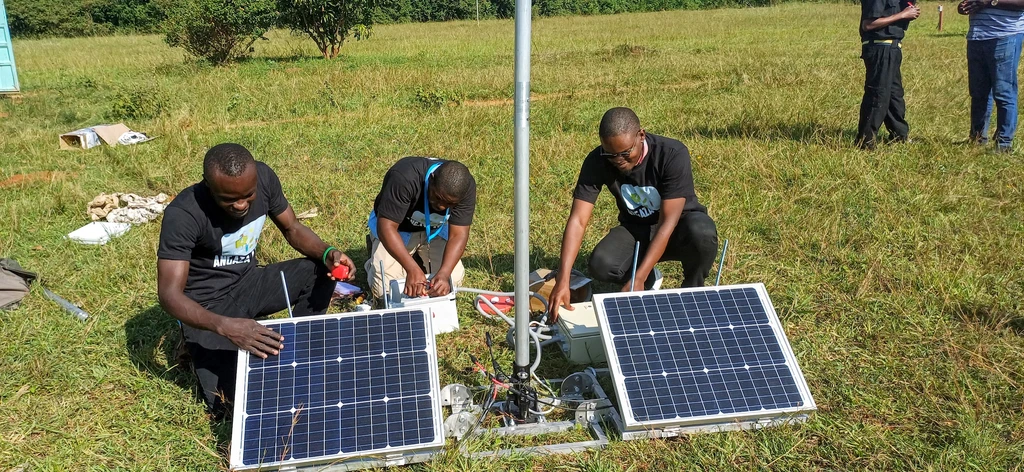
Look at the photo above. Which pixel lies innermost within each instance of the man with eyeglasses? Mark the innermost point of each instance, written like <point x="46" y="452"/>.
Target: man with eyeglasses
<point x="652" y="182"/>
<point x="420" y="225"/>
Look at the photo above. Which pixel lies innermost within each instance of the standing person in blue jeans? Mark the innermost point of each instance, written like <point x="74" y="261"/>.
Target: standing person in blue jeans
<point x="883" y="23"/>
<point x="993" y="53"/>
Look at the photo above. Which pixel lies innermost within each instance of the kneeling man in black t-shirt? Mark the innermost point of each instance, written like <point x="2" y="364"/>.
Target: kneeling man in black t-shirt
<point x="420" y="225"/>
<point x="652" y="182"/>
<point x="207" y="275"/>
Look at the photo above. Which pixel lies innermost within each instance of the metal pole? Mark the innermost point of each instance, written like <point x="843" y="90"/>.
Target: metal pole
<point x="287" y="299"/>
<point x="636" y="256"/>
<point x="721" y="262"/>
<point x="522" y="189"/>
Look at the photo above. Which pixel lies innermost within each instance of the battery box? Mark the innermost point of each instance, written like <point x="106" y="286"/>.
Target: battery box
<point x="581" y="337"/>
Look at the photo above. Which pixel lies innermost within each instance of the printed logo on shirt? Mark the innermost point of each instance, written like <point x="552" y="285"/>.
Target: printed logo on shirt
<point x="436" y="219"/>
<point x="238" y="247"/>
<point x="641" y="201"/>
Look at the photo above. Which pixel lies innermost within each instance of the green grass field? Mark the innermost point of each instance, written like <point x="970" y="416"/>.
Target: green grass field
<point x="896" y="273"/>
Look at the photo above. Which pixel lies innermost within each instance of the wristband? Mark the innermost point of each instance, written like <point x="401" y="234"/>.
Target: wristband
<point x="327" y="251"/>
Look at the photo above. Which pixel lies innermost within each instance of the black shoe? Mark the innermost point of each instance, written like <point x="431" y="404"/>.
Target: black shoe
<point x="866" y="144"/>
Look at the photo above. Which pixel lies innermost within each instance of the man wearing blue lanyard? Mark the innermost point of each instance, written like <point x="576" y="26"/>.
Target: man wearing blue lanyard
<point x="420" y="225"/>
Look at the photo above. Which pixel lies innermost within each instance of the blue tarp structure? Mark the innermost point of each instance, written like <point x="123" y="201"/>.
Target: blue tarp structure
<point x="8" y="72"/>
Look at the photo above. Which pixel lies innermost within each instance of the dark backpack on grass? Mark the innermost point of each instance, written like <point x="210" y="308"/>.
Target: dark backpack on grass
<point x="14" y="282"/>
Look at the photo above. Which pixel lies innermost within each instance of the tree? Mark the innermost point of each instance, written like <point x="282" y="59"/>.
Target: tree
<point x="328" y="22"/>
<point x="218" y="30"/>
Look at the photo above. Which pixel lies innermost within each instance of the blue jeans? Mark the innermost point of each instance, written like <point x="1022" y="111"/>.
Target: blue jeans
<point x="992" y="76"/>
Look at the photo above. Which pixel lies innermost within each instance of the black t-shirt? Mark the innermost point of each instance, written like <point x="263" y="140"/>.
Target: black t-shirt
<point x="220" y="250"/>
<point x="874" y="9"/>
<point x="663" y="175"/>
<point x="401" y="197"/>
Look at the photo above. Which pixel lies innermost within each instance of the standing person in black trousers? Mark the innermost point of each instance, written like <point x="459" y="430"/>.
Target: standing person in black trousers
<point x="882" y="26"/>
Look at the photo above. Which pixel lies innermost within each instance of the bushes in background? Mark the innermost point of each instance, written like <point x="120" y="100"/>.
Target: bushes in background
<point x="93" y="17"/>
<point x="30" y="18"/>
<point x="399" y="11"/>
<point x="327" y="22"/>
<point x="218" y="30"/>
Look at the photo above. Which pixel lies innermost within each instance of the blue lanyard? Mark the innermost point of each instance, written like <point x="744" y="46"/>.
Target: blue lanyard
<point x="426" y="204"/>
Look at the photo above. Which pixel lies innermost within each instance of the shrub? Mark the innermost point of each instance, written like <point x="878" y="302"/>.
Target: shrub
<point x="437" y="98"/>
<point x="137" y="102"/>
<point x="51" y="18"/>
<point x="328" y="22"/>
<point x="129" y="16"/>
<point x="218" y="30"/>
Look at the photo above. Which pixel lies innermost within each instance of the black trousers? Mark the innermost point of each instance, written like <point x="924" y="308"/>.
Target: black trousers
<point x="259" y="293"/>
<point x="694" y="243"/>
<point x="883" y="94"/>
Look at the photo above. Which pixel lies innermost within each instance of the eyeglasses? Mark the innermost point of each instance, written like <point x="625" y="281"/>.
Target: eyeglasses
<point x="621" y="155"/>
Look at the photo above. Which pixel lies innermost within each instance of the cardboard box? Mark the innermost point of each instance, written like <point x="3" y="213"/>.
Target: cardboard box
<point x="86" y="138"/>
<point x="542" y="281"/>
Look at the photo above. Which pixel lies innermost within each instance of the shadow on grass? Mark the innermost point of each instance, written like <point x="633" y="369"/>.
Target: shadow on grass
<point x="808" y="132"/>
<point x="502" y="266"/>
<point x="295" y="58"/>
<point x="990" y="318"/>
<point x="152" y="338"/>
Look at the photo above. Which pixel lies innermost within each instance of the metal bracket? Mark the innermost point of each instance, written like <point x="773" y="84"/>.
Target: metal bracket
<point x="456" y="396"/>
<point x="594" y="410"/>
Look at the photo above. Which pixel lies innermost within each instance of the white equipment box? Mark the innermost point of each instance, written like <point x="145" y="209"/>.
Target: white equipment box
<point x="444" y="314"/>
<point x="581" y="336"/>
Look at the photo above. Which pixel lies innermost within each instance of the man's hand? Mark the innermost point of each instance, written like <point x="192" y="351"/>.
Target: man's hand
<point x="640" y="280"/>
<point x="415" y="283"/>
<point x="440" y="285"/>
<point x="911" y="12"/>
<point x="559" y="299"/>
<point x="336" y="258"/>
<point x="967" y="7"/>
<point x="251" y="336"/>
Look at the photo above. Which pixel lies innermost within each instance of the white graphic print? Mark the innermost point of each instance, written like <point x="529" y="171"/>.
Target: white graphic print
<point x="238" y="247"/>
<point x="436" y="219"/>
<point x="641" y="201"/>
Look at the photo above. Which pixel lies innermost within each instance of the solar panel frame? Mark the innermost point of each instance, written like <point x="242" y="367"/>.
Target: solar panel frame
<point x="242" y="392"/>
<point x="631" y="423"/>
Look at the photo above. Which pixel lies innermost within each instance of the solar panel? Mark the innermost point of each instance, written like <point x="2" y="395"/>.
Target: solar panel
<point x="344" y="386"/>
<point x="699" y="356"/>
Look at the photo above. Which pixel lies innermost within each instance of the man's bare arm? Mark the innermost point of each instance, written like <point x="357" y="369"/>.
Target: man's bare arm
<point x="572" y="238"/>
<point x="247" y="334"/>
<point x="668" y="220"/>
<point x="909" y="13"/>
<point x="458" y="236"/>
<point x="304" y="240"/>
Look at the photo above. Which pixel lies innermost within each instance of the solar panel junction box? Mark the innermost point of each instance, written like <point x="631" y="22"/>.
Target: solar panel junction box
<point x="443" y="312"/>
<point x="580" y="335"/>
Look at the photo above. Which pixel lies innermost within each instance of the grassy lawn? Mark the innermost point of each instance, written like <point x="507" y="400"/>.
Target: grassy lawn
<point x="897" y="273"/>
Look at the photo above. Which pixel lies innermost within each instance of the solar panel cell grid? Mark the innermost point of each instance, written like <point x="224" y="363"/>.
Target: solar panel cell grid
<point x="692" y="353"/>
<point x="681" y="311"/>
<point x="341" y="385"/>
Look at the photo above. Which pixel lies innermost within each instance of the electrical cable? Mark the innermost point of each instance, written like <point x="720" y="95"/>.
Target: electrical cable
<point x="539" y="330"/>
